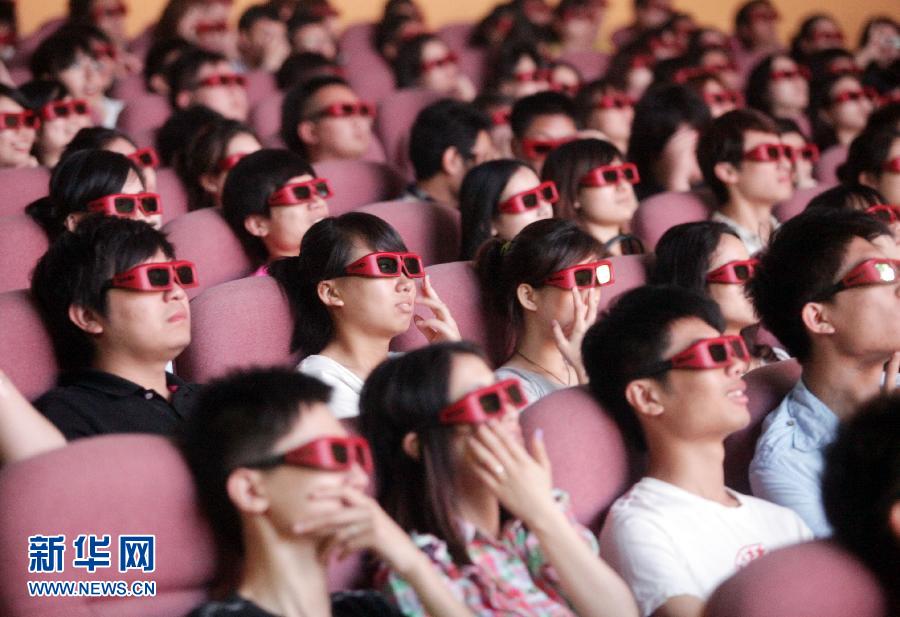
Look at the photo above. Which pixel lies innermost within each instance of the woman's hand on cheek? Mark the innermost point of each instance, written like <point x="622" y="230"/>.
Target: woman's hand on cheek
<point x="521" y="480"/>
<point x="441" y="327"/>
<point x="585" y="316"/>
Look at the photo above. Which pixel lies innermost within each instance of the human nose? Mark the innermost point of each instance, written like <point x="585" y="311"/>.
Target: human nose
<point x="737" y="367"/>
<point x="357" y="477"/>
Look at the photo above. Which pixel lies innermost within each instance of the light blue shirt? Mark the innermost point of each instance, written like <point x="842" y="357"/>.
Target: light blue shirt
<point x="790" y="456"/>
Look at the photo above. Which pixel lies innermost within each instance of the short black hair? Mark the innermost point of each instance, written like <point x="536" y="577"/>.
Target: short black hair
<point x="800" y="264"/>
<point x="850" y="197"/>
<point x="657" y="116"/>
<point x="297" y="107"/>
<point x="568" y="164"/>
<point x="16" y="95"/>
<point x="237" y="421"/>
<point x="93" y="138"/>
<point x="530" y="107"/>
<point x="178" y="131"/>
<point x="683" y="254"/>
<point x="161" y="55"/>
<point x="76" y="270"/>
<point x="722" y="141"/>
<point x="255" y="13"/>
<point x="57" y="53"/>
<point x="503" y="63"/>
<point x="860" y="486"/>
<point x="182" y="74"/>
<point x="867" y="154"/>
<point x="39" y="92"/>
<point x="444" y="124"/>
<point x="303" y="66"/>
<point x="479" y="196"/>
<point x="408" y="63"/>
<point x="248" y="187"/>
<point x="632" y="335"/>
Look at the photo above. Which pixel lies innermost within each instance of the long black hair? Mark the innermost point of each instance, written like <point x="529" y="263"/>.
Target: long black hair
<point x="479" y="195"/>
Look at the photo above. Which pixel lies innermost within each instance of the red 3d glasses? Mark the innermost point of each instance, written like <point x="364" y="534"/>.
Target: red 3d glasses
<point x="429" y="65"/>
<point x="765" y="153"/>
<point x="877" y="271"/>
<point x="300" y="192"/>
<point x="583" y="276"/>
<point x="611" y="174"/>
<point x="735" y="272"/>
<point x="326" y="454"/>
<point x="484" y="404"/>
<point x="530" y="199"/>
<point x="710" y="353"/>
<point x="11" y="121"/>
<point x="64" y="109"/>
<point x="160" y="276"/>
<point x="887" y="213"/>
<point x="223" y="79"/>
<point x="614" y="101"/>
<point x="384" y="264"/>
<point x="539" y="148"/>
<point x="228" y="163"/>
<point x="127" y="206"/>
<point x="145" y="157"/>
<point x="344" y="110"/>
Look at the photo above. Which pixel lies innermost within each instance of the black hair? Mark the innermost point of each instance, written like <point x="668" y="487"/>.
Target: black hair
<point x="743" y="18"/>
<point x="15" y="95"/>
<point x="160" y="57"/>
<point x="540" y="249"/>
<point x="800" y="264"/>
<point x="76" y="269"/>
<point x="788" y="125"/>
<point x="587" y="97"/>
<point x="39" y="92"/>
<point x="300" y="19"/>
<point x="248" y="187"/>
<point x="77" y="180"/>
<point x="530" y="107"/>
<point x="324" y="253"/>
<point x="255" y="13"/>
<point x="297" y="107"/>
<point x="479" y="196"/>
<point x="684" y="251"/>
<point x="237" y="421"/>
<point x="722" y="141"/>
<point x="756" y="89"/>
<point x="657" y="116"/>
<point x="178" y="130"/>
<point x="851" y="197"/>
<point x="404" y="395"/>
<point x="867" y="154"/>
<point x="94" y="138"/>
<point x="803" y="34"/>
<point x="442" y="125"/>
<point x="861" y="486"/>
<point x="408" y="63"/>
<point x="632" y="335"/>
<point x="57" y="53"/>
<point x="181" y="74"/>
<point x="886" y="117"/>
<point x="303" y="66"/>
<point x="820" y="99"/>
<point x="503" y="62"/>
<point x="568" y="164"/>
<point x="202" y="153"/>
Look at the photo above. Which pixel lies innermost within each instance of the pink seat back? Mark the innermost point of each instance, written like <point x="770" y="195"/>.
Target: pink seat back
<point x="659" y="213"/>
<point x="473" y="64"/>
<point x="797" y="203"/>
<point x="111" y="485"/>
<point x="589" y="457"/>
<point x="429" y="229"/>
<point x="357" y="38"/>
<point x="129" y="88"/>
<point x="456" y="35"/>
<point x="630" y="271"/>
<point x="172" y="194"/>
<point x="21" y="187"/>
<point x="144" y="114"/>
<point x="457" y="285"/>
<point x="766" y="387"/>
<point x="238" y="324"/>
<point x="22" y="243"/>
<point x="825" y="170"/>
<point x="26" y="350"/>
<point x="370" y="76"/>
<point x="591" y="64"/>
<point x="260" y="86"/>
<point x="357" y="183"/>
<point x="815" y="578"/>
<point x="396" y="115"/>
<point x="265" y="116"/>
<point x="205" y="238"/>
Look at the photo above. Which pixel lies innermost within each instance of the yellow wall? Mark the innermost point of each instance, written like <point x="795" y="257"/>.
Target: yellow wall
<point x="714" y="12"/>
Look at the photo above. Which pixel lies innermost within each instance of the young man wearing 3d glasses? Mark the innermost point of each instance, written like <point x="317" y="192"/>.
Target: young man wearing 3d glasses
<point x="829" y="290"/>
<point x="659" y="364"/>
<point x="112" y="296"/>
<point x="749" y="171"/>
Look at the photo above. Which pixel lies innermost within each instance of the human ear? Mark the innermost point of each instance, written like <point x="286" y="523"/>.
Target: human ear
<point x="816" y="318"/>
<point x="726" y="172"/>
<point x="329" y="293"/>
<point x="257" y="225"/>
<point x="183" y="99"/>
<point x="411" y="446"/>
<point x="307" y="132"/>
<point x="643" y="396"/>
<point x="85" y="319"/>
<point x="452" y="161"/>
<point x="247" y="490"/>
<point x="525" y="295"/>
<point x="209" y="183"/>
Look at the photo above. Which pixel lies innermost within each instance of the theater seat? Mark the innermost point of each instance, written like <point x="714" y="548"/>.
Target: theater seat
<point x="143" y="114"/>
<point x="26" y="351"/>
<point x="429" y="229"/>
<point x="205" y="238"/>
<point x="630" y="271"/>
<point x="457" y="285"/>
<point x="798" y="202"/>
<point x="589" y="457"/>
<point x="22" y="243"/>
<point x="591" y="64"/>
<point x="659" y="213"/>
<point x="368" y="74"/>
<point x="814" y="579"/>
<point x="396" y="115"/>
<point x="21" y="187"/>
<point x="766" y="387"/>
<point x="265" y="116"/>
<point x="111" y="485"/>
<point x="358" y="183"/>
<point x="238" y="324"/>
<point x="260" y="86"/>
<point x="171" y="192"/>
<point x="825" y="170"/>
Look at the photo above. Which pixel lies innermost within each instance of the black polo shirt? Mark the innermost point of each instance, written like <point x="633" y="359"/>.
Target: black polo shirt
<point x="91" y="402"/>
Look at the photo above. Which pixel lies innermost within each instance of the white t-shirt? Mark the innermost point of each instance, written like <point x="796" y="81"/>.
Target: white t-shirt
<point x="345" y="384"/>
<point x="666" y="542"/>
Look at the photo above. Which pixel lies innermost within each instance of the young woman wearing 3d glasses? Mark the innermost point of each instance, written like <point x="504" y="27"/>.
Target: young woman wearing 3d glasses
<point x="95" y="181"/>
<point x="284" y="488"/>
<point x="18" y="129"/>
<point x="113" y="140"/>
<point x="59" y="117"/>
<point x="270" y="199"/>
<point x="596" y="189"/>
<point x="543" y="290"/>
<point x="708" y="257"/>
<point x="498" y="199"/>
<point x="351" y="290"/>
<point x="454" y="472"/>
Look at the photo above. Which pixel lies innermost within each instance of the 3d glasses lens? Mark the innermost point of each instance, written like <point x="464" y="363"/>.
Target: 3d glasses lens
<point x="387" y="265"/>
<point x="490" y="403"/>
<point x="158" y="277"/>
